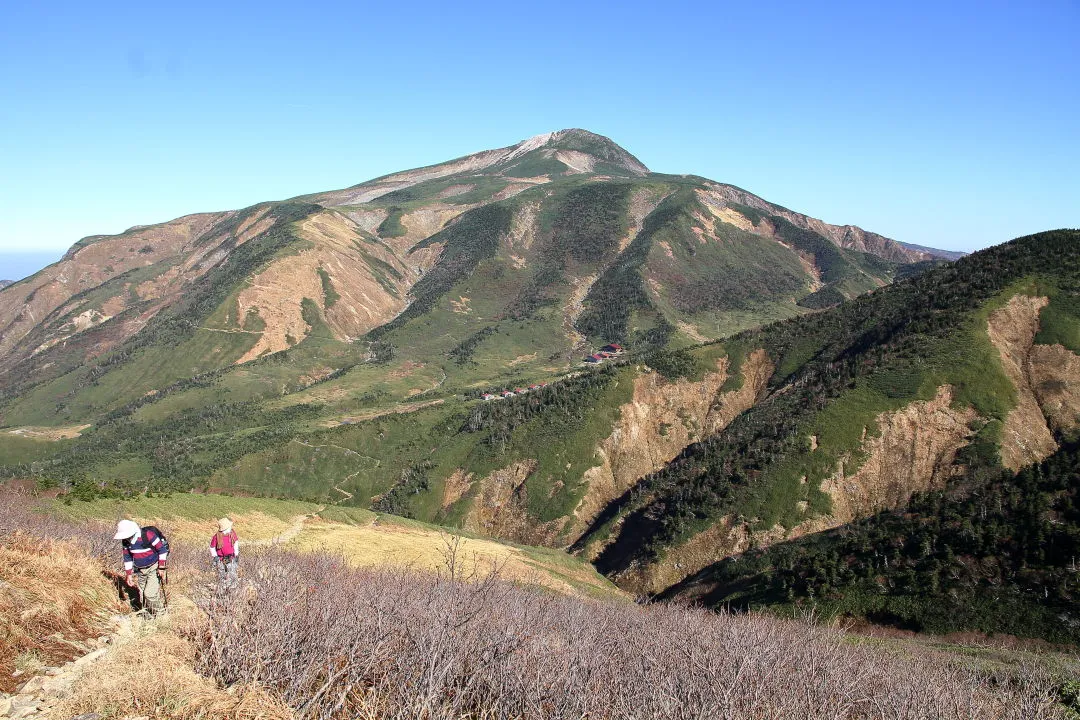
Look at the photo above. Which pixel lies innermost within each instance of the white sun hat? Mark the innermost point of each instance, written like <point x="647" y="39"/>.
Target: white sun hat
<point x="126" y="529"/>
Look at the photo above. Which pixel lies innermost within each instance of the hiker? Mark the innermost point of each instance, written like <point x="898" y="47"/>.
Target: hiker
<point x="225" y="549"/>
<point x="145" y="554"/>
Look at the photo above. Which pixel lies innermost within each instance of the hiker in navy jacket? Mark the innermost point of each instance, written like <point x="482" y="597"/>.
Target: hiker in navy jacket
<point x="146" y="553"/>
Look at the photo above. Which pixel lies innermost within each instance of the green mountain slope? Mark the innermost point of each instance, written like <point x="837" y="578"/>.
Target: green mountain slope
<point x="995" y="553"/>
<point x="337" y="345"/>
<point x="869" y="402"/>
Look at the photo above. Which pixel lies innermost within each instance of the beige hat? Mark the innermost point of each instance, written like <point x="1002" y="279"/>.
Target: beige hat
<point x="224" y="525"/>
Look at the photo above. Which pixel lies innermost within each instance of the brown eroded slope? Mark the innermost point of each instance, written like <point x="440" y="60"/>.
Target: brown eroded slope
<point x="914" y="450"/>
<point x="663" y="418"/>
<point x="1055" y="378"/>
<point x="1025" y="437"/>
<point x="24" y="305"/>
<point x="424" y="222"/>
<point x="369" y="278"/>
<point x="845" y="236"/>
<point x="499" y="509"/>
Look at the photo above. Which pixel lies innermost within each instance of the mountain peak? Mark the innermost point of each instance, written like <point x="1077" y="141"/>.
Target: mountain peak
<point x="576" y="140"/>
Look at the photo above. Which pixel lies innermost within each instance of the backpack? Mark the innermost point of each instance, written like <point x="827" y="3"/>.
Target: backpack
<point x="146" y="540"/>
<point x="223" y="543"/>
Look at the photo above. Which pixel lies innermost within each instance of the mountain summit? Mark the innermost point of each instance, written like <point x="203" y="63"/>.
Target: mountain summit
<point x="566" y="231"/>
<point x="549" y="344"/>
<point x="580" y="151"/>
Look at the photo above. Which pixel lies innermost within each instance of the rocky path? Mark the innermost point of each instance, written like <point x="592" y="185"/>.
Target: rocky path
<point x="40" y="693"/>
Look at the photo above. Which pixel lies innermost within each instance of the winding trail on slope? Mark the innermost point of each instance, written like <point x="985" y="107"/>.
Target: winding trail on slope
<point x="299" y="521"/>
<point x="295" y="529"/>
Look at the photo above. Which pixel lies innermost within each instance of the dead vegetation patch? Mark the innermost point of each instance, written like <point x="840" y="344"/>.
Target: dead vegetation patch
<point x="400" y="644"/>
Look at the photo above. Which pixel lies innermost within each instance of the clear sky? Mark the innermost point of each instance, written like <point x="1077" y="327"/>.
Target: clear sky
<point x="954" y="124"/>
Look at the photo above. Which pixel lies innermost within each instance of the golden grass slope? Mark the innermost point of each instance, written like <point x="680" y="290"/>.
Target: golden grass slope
<point x="364" y="538"/>
<point x="368" y="296"/>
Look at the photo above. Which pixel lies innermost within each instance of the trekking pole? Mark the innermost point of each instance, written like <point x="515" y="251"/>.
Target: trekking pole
<point x="164" y="588"/>
<point x="142" y="600"/>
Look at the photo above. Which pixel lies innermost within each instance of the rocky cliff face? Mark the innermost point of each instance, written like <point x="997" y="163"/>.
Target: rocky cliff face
<point x="662" y="419"/>
<point x="1046" y="378"/>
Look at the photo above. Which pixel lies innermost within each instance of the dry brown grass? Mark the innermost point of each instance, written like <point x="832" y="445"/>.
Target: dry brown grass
<point x="56" y="592"/>
<point x="258" y="527"/>
<point x="397" y="645"/>
<point x="52" y="597"/>
<point x="310" y="633"/>
<point x="152" y="673"/>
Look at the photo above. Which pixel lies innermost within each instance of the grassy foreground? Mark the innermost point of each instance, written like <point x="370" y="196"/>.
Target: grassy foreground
<point x="395" y="643"/>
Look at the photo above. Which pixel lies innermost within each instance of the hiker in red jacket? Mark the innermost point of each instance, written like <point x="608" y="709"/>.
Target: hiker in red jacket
<point x="225" y="549"/>
<point x="145" y="554"/>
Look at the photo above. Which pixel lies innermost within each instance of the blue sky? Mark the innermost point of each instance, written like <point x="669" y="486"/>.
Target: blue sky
<point x="945" y="124"/>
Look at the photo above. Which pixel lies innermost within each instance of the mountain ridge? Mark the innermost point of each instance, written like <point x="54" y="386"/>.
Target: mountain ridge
<point x="343" y="349"/>
<point x="397" y="216"/>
